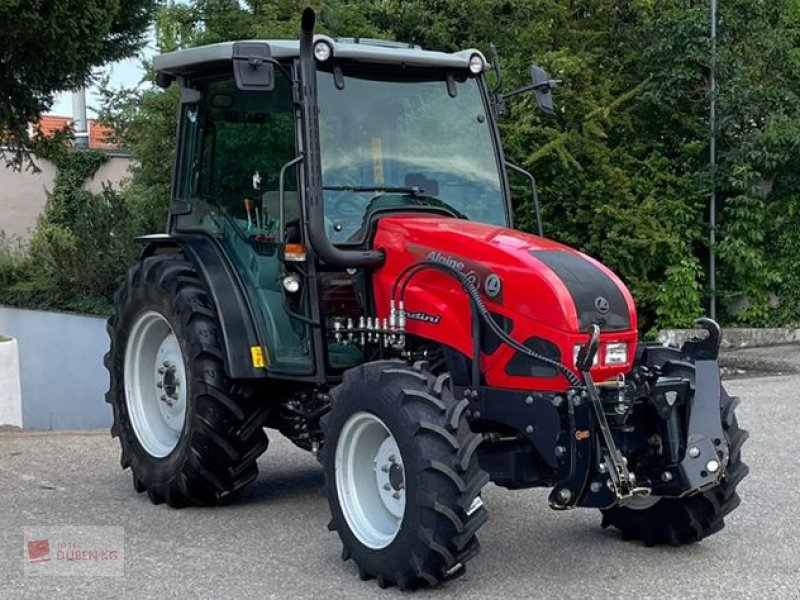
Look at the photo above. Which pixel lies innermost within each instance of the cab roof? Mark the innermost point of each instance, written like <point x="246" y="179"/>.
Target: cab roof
<point x="201" y="58"/>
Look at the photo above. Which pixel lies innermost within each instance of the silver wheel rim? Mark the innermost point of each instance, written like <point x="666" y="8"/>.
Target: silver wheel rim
<point x="155" y="384"/>
<point x="370" y="480"/>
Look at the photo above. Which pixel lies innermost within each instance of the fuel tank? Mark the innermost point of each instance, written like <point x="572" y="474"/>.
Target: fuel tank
<point x="544" y="294"/>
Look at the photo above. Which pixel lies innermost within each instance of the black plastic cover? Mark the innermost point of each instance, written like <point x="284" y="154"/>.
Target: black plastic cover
<point x="597" y="297"/>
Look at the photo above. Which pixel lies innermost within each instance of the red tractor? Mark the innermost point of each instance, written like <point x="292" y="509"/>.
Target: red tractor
<point x="340" y="265"/>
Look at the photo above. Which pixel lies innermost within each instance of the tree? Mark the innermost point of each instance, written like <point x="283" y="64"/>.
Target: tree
<point x="47" y="47"/>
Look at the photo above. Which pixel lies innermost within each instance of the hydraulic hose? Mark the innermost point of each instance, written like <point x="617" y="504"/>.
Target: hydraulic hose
<point x="411" y="271"/>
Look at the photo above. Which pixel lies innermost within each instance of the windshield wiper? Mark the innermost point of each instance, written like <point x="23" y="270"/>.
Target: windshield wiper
<point x="413" y="190"/>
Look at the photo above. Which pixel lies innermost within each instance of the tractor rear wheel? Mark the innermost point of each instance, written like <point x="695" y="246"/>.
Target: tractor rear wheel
<point x="678" y="521"/>
<point x="402" y="474"/>
<point x="188" y="433"/>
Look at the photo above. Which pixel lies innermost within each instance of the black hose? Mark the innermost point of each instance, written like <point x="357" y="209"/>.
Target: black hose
<point x="411" y="271"/>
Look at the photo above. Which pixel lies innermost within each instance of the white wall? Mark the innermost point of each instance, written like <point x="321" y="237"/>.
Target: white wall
<point x="10" y="393"/>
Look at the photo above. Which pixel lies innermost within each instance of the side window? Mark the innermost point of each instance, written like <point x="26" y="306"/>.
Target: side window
<point x="235" y="144"/>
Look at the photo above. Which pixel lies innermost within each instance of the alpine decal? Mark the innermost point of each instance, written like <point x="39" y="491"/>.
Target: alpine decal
<point x="484" y="279"/>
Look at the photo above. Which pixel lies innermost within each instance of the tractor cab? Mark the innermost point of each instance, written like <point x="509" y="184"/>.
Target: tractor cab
<point x="399" y="130"/>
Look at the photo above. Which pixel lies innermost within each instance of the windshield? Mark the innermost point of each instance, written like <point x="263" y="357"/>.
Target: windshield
<point x="392" y="137"/>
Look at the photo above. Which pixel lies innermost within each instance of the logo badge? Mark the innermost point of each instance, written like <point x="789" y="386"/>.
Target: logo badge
<point x="602" y="305"/>
<point x="492" y="285"/>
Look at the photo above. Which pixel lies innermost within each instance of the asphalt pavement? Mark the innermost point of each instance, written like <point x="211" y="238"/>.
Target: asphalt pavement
<point x="272" y="541"/>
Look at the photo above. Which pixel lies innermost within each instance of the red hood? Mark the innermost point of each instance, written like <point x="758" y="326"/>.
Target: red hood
<point x="547" y="290"/>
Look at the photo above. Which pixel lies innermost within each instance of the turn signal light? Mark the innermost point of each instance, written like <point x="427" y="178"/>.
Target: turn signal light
<point x="294" y="253"/>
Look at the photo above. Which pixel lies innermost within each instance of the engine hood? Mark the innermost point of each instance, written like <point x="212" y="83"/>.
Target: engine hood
<point x="540" y="289"/>
<point x="538" y="277"/>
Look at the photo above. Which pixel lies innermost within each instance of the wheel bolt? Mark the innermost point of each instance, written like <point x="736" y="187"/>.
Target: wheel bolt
<point x="159" y="384"/>
<point x="161" y="370"/>
<point x="385" y="468"/>
<point x="694" y="452"/>
<point x="387" y="486"/>
<point x="396" y="495"/>
<point x="392" y="458"/>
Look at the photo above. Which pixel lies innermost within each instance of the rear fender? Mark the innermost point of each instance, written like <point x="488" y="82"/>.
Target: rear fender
<point x="239" y="331"/>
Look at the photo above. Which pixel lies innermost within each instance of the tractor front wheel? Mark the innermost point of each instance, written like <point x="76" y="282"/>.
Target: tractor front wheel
<point x="402" y="474"/>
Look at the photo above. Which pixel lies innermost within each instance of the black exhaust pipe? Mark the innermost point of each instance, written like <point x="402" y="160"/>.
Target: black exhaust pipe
<point x="324" y="249"/>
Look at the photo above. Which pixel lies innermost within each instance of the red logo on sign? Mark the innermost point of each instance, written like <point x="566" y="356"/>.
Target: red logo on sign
<point x="39" y="551"/>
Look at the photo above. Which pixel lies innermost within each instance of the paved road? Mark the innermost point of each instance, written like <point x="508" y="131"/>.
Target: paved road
<point x="273" y="541"/>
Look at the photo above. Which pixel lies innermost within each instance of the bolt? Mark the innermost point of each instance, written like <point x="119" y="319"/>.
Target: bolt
<point x="560" y="450"/>
<point x="529" y="400"/>
<point x="529" y="429"/>
<point x="159" y="384"/>
<point x="694" y="452"/>
<point x="602" y="467"/>
<point x="466" y="392"/>
<point x="583" y="394"/>
<point x="564" y="495"/>
<point x="163" y="397"/>
<point x="557" y="401"/>
<point x="392" y="458"/>
<point x="666" y="477"/>
<point x="595" y="487"/>
<point x="387" y="486"/>
<point x="161" y="370"/>
<point x="576" y="401"/>
<point x="396" y="495"/>
<point x="477" y="414"/>
<point x="654" y="440"/>
<point x="712" y="466"/>
<point x="385" y="468"/>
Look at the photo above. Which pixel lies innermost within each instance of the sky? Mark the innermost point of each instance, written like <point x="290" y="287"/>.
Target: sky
<point x="126" y="73"/>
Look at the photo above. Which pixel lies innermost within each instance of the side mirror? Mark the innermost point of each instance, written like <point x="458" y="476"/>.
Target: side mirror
<point x="543" y="88"/>
<point x="252" y="66"/>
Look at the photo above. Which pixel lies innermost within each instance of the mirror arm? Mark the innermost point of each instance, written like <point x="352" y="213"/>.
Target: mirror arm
<point x="534" y="193"/>
<point x="545" y="85"/>
<point x="283" y="70"/>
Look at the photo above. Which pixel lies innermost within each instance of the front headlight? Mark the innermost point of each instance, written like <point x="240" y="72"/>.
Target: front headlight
<point x="616" y="354"/>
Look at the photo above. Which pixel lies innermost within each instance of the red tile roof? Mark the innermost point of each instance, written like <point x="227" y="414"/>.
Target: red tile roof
<point x="99" y="134"/>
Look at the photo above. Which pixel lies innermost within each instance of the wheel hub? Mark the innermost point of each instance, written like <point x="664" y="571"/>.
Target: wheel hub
<point x="168" y="383"/>
<point x="396" y="476"/>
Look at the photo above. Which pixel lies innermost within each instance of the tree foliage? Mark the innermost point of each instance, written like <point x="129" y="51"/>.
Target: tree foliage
<point x="48" y="47"/>
<point x="623" y="167"/>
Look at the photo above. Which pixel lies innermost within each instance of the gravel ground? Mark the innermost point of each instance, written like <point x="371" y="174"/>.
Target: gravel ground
<point x="272" y="541"/>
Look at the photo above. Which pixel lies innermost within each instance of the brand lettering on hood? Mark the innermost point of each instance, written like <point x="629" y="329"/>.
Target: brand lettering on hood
<point x="485" y="280"/>
<point x="446" y="259"/>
